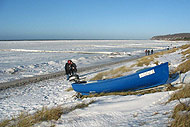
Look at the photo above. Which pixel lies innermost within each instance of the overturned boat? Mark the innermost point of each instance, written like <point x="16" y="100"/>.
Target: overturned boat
<point x="142" y="79"/>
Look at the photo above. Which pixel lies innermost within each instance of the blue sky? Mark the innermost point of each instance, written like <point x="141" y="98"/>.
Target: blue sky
<point x="92" y="19"/>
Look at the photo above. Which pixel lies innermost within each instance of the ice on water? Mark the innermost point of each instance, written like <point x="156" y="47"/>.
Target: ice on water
<point x="20" y="59"/>
<point x="39" y="57"/>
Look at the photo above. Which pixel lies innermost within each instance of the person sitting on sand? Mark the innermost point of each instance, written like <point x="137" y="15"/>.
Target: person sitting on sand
<point x="70" y="69"/>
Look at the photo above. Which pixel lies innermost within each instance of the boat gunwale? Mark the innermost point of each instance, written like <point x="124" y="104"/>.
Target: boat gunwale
<point x="119" y="78"/>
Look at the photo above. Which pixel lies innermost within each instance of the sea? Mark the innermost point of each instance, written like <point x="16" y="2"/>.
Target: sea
<point x="20" y="59"/>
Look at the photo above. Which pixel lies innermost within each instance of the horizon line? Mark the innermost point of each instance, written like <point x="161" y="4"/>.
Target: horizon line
<point x="62" y="39"/>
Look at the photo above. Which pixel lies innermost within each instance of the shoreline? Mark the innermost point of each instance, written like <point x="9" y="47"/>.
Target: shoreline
<point x="65" y="39"/>
<point x="38" y="78"/>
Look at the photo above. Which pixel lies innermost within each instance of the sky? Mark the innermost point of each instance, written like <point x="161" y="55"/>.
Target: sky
<point x="92" y="19"/>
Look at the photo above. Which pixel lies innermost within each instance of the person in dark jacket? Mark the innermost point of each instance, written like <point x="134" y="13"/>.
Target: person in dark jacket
<point x="148" y="52"/>
<point x="152" y="51"/>
<point x="70" y="68"/>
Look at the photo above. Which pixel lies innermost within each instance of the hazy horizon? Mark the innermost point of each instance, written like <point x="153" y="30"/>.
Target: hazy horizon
<point x="98" y="19"/>
<point x="63" y="39"/>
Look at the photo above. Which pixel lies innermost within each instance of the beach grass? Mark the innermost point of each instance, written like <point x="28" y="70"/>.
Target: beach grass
<point x="120" y="93"/>
<point x="185" y="46"/>
<point x="114" y="73"/>
<point x="186" y="53"/>
<point x="146" y="60"/>
<point x="138" y="92"/>
<point x="183" y="67"/>
<point x="5" y="123"/>
<point x="69" y="89"/>
<point x="181" y="115"/>
<point x="182" y="93"/>
<point x="45" y="114"/>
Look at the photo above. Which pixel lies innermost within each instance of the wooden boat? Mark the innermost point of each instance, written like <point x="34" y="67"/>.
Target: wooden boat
<point x="147" y="78"/>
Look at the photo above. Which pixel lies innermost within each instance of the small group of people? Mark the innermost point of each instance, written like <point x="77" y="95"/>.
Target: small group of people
<point x="149" y="52"/>
<point x="70" y="68"/>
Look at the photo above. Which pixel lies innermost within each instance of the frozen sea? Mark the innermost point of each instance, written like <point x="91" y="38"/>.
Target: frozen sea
<point x="28" y="58"/>
<point x="19" y="59"/>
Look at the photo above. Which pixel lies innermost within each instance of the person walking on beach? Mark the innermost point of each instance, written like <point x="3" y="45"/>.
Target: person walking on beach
<point x="168" y="47"/>
<point x="152" y="51"/>
<point x="70" y="68"/>
<point x="146" y="52"/>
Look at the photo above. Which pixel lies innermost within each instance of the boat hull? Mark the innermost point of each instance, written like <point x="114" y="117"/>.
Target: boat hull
<point x="147" y="78"/>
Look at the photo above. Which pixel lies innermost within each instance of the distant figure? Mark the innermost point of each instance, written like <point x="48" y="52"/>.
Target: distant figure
<point x="152" y="51"/>
<point x="70" y="69"/>
<point x="168" y="47"/>
<point x="146" y="52"/>
<point x="171" y="46"/>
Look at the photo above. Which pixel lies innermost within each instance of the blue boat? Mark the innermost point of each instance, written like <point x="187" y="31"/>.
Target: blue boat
<point x="146" y="78"/>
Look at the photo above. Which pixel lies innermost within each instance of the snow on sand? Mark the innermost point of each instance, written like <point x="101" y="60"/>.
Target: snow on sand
<point x="127" y="111"/>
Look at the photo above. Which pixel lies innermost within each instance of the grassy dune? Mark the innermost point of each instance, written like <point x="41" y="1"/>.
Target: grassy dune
<point x="45" y="114"/>
<point x="181" y="115"/>
<point x="114" y="73"/>
<point x="146" y="60"/>
<point x="181" y="112"/>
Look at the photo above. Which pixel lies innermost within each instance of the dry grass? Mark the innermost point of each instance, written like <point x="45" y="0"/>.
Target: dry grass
<point x="181" y="112"/>
<point x="4" y="123"/>
<point x="186" y="53"/>
<point x="125" y="93"/>
<point x="167" y="87"/>
<point x="170" y="87"/>
<point x="180" y="107"/>
<point x="188" y="56"/>
<point x="147" y="59"/>
<point x="144" y="61"/>
<point x="69" y="89"/>
<point x="185" y="46"/>
<point x="114" y="73"/>
<point x="183" y="67"/>
<point x="28" y="120"/>
<point x="181" y="115"/>
<point x="45" y="114"/>
<point x="182" y="93"/>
